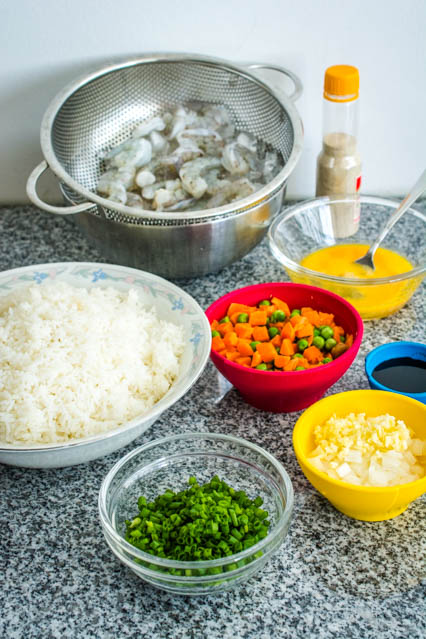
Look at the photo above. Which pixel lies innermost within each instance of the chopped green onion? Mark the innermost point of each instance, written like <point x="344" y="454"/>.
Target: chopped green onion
<point x="203" y="522"/>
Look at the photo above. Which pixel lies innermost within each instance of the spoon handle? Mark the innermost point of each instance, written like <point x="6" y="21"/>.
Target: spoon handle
<point x="412" y="196"/>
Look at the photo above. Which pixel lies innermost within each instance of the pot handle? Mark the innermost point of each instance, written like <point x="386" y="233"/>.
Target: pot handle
<point x="298" y="86"/>
<point x="60" y="210"/>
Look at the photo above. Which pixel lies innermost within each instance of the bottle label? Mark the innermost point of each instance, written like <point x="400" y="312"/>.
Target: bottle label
<point x="358" y="183"/>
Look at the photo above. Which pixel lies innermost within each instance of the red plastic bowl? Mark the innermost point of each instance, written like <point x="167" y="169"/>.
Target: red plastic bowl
<point x="284" y="392"/>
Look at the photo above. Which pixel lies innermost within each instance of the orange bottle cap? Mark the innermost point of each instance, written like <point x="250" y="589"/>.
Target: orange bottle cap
<point x="341" y="83"/>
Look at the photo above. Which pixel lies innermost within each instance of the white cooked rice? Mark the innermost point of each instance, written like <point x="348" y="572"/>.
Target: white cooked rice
<point x="77" y="362"/>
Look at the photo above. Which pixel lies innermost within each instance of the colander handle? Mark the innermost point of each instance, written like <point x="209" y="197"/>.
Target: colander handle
<point x="60" y="210"/>
<point x="298" y="86"/>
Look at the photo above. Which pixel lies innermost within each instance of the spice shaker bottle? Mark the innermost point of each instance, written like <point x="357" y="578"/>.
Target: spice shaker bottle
<point x="339" y="164"/>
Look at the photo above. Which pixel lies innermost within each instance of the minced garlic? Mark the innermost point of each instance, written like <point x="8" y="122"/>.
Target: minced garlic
<point x="368" y="451"/>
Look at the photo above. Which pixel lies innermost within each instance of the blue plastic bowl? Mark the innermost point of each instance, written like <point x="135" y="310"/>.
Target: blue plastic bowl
<point x="383" y="353"/>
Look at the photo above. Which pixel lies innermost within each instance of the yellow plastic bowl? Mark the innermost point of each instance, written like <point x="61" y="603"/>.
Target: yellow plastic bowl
<point x="368" y="503"/>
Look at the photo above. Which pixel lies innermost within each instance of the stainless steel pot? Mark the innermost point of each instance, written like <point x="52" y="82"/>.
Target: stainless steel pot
<point x="100" y="110"/>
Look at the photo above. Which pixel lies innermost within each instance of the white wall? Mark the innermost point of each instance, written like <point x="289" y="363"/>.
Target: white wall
<point x="45" y="44"/>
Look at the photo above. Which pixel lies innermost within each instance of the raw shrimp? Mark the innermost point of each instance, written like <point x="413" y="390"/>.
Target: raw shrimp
<point x="131" y="153"/>
<point x="158" y="142"/>
<point x="145" y="128"/>
<point x="114" y="183"/>
<point x="181" y="120"/>
<point x="233" y="160"/>
<point x="191" y="159"/>
<point x="191" y="172"/>
<point x="236" y="190"/>
<point x="169" y="195"/>
<point x="134" y="200"/>
<point x="144" y="178"/>
<point x="271" y="165"/>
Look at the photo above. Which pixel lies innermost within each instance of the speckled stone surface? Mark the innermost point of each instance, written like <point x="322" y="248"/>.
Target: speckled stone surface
<point x="334" y="577"/>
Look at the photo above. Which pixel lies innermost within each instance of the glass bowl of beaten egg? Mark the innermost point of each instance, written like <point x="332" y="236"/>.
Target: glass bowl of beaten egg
<point x="318" y="241"/>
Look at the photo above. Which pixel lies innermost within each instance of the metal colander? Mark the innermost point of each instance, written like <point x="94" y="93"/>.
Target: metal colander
<point x="100" y="111"/>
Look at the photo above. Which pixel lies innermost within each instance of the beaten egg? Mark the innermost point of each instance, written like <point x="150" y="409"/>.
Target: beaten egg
<point x="371" y="300"/>
<point x="339" y="260"/>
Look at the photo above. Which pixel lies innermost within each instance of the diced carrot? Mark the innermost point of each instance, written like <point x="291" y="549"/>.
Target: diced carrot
<point x="337" y="332"/>
<point x="304" y="329"/>
<point x="244" y="348"/>
<point x="266" y="351"/>
<point x="325" y="318"/>
<point x="243" y="330"/>
<point x="294" y="320"/>
<point x="245" y="361"/>
<point x="230" y="339"/>
<point x="286" y="347"/>
<point x="305" y="310"/>
<point x="281" y="305"/>
<point x="218" y="343"/>
<point x="281" y="360"/>
<point x="232" y="355"/>
<point x="256" y="359"/>
<point x="311" y="315"/>
<point x="288" y="331"/>
<point x="260" y="334"/>
<point x="276" y="341"/>
<point x="270" y="309"/>
<point x="258" y="318"/>
<point x="313" y="355"/>
<point x="235" y="338"/>
<point x="234" y="317"/>
<point x="238" y="308"/>
<point x="292" y="364"/>
<point x="224" y="328"/>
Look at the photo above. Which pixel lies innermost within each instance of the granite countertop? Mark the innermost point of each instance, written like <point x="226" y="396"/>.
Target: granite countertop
<point x="334" y="577"/>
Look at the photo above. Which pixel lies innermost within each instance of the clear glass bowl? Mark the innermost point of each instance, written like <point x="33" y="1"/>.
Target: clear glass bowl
<point x="308" y="227"/>
<point x="168" y="463"/>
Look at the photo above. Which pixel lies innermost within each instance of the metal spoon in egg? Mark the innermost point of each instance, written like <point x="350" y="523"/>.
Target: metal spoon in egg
<point x="416" y="191"/>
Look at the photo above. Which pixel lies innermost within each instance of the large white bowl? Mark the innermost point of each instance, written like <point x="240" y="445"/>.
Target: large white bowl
<point x="170" y="302"/>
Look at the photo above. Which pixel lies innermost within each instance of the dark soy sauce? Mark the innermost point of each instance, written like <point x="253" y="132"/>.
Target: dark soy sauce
<point x="402" y="374"/>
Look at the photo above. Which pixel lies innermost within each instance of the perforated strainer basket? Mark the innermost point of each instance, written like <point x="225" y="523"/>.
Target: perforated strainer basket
<point x="100" y="110"/>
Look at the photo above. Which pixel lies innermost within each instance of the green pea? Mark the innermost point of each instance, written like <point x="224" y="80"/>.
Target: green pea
<point x="296" y="355"/>
<point x="265" y="303"/>
<point x="262" y="367"/>
<point x="327" y="360"/>
<point x="319" y="342"/>
<point x="215" y="334"/>
<point x="299" y="368"/>
<point x="243" y="318"/>
<point x="279" y="316"/>
<point x="317" y="332"/>
<point x="330" y="343"/>
<point x="326" y="332"/>
<point x="254" y="345"/>
<point x="224" y="320"/>
<point x="273" y="331"/>
<point x="277" y="348"/>
<point x="302" y="344"/>
<point x="343" y="338"/>
<point x="295" y="312"/>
